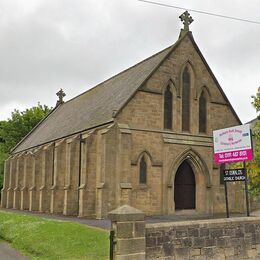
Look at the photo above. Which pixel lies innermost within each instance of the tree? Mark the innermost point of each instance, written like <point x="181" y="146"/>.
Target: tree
<point x="254" y="166"/>
<point x="256" y="101"/>
<point x="17" y="127"/>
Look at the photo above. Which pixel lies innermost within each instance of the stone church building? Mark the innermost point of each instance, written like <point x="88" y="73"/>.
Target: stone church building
<point x="142" y="137"/>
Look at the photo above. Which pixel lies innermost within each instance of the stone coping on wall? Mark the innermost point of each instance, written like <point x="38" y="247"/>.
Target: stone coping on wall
<point x="205" y="222"/>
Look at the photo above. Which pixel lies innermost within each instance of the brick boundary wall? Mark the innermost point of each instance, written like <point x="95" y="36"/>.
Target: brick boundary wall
<point x="235" y="238"/>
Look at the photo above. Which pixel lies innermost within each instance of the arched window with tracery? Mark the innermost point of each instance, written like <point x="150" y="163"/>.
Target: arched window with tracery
<point x="202" y="113"/>
<point x="186" y="100"/>
<point x="168" y="108"/>
<point x="143" y="171"/>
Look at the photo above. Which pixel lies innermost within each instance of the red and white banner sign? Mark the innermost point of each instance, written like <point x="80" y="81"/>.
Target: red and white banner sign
<point x="233" y="144"/>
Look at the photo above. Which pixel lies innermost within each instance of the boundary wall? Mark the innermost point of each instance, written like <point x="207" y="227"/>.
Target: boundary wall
<point x="233" y="238"/>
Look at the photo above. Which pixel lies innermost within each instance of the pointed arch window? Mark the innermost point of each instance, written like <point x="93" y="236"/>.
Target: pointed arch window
<point x="202" y="113"/>
<point x="168" y="108"/>
<point x="186" y="100"/>
<point x="143" y="171"/>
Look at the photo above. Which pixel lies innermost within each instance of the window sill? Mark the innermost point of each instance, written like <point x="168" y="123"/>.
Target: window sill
<point x="143" y="186"/>
<point x="202" y="133"/>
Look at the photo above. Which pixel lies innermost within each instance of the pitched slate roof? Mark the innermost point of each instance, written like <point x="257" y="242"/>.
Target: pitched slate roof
<point x="92" y="108"/>
<point x="95" y="107"/>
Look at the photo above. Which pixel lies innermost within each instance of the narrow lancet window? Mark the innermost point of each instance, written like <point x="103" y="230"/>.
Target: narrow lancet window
<point x="186" y="100"/>
<point x="143" y="171"/>
<point x="202" y="113"/>
<point x="168" y="108"/>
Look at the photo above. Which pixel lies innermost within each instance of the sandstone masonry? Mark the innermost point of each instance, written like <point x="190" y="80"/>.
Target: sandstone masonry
<point x="85" y="158"/>
<point x="237" y="238"/>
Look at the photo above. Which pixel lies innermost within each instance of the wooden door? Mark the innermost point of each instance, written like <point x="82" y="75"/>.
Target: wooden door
<point x="185" y="187"/>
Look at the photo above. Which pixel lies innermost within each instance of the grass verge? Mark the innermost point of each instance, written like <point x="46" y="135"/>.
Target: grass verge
<point x="42" y="238"/>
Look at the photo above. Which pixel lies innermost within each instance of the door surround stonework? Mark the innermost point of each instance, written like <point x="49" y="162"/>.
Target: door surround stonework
<point x="202" y="179"/>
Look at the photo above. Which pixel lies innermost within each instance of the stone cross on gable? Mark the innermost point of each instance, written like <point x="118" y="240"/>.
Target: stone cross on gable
<point x="60" y="95"/>
<point x="186" y="19"/>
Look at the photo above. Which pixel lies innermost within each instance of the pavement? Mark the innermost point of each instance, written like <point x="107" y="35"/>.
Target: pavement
<point x="193" y="216"/>
<point x="256" y="213"/>
<point x="106" y="223"/>
<point x="8" y="253"/>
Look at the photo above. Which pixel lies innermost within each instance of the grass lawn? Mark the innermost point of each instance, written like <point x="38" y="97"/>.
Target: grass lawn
<point x="42" y="238"/>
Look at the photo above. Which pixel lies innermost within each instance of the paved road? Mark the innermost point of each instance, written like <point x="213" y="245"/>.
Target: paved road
<point x="8" y="253"/>
<point x="106" y="224"/>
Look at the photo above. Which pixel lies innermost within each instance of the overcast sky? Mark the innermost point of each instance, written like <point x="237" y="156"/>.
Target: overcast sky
<point x="50" y="44"/>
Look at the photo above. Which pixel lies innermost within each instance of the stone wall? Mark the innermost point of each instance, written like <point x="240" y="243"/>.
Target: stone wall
<point x="166" y="149"/>
<point x="129" y="228"/>
<point x="237" y="238"/>
<point x="63" y="177"/>
<point x="254" y="203"/>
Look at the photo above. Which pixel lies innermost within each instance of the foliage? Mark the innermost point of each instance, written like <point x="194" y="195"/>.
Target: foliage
<point x="19" y="125"/>
<point x="15" y="128"/>
<point x="3" y="157"/>
<point x="254" y="166"/>
<point x="256" y="101"/>
<point x="42" y="238"/>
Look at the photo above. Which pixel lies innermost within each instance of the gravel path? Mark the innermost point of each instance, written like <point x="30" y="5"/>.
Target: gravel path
<point x="8" y="253"/>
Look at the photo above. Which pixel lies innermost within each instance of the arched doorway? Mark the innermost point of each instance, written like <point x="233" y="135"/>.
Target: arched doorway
<point x="185" y="187"/>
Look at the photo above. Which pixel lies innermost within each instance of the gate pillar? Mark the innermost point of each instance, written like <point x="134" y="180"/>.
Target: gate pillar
<point x="128" y="227"/>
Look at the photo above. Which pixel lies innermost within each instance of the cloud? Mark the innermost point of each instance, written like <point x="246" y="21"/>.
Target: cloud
<point x="49" y="44"/>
